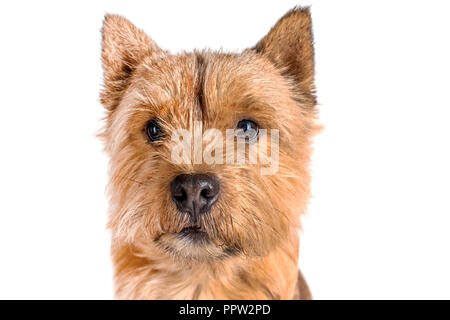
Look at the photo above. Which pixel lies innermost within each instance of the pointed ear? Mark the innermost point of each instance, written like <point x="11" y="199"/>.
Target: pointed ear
<point x="123" y="48"/>
<point x="289" y="45"/>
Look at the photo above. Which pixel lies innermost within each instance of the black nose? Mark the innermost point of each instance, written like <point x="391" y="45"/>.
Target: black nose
<point x="194" y="194"/>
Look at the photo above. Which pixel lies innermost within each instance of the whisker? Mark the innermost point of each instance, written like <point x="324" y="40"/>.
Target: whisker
<point x="133" y="180"/>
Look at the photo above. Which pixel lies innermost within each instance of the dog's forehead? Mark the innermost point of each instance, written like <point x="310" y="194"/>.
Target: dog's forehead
<point x="210" y="78"/>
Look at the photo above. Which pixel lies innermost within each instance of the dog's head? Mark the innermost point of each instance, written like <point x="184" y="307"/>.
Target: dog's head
<point x="181" y="131"/>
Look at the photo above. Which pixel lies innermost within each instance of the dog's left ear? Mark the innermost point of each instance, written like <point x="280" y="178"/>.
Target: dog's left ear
<point x="123" y="48"/>
<point x="289" y="45"/>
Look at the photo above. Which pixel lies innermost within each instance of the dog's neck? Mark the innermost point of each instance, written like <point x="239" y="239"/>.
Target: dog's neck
<point x="146" y="274"/>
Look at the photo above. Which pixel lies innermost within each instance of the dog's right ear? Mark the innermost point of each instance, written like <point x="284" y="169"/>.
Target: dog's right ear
<point x="123" y="48"/>
<point x="289" y="45"/>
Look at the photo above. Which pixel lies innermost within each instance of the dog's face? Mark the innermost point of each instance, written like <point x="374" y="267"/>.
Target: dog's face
<point x="199" y="209"/>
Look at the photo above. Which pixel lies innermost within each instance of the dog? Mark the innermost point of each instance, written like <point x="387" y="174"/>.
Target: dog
<point x="202" y="229"/>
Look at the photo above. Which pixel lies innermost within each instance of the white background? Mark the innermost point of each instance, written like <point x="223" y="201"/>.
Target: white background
<point x="378" y="225"/>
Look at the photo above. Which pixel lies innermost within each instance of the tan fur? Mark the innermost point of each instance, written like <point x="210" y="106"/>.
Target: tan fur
<point x="253" y="253"/>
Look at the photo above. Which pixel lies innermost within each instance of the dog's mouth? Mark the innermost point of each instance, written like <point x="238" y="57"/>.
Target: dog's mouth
<point x="196" y="234"/>
<point x="193" y="242"/>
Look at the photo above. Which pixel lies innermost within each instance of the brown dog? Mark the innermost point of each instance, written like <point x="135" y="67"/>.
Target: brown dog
<point x="202" y="230"/>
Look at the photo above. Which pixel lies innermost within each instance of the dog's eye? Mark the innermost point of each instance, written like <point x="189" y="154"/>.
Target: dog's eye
<point x="247" y="129"/>
<point x="154" y="131"/>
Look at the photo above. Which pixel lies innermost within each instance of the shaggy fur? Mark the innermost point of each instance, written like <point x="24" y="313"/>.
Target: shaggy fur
<point x="253" y="227"/>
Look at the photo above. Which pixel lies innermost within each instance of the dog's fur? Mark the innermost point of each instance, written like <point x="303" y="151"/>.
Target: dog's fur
<point x="253" y="227"/>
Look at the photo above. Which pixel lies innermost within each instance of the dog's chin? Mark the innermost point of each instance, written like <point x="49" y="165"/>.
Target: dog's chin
<point x="190" y="243"/>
